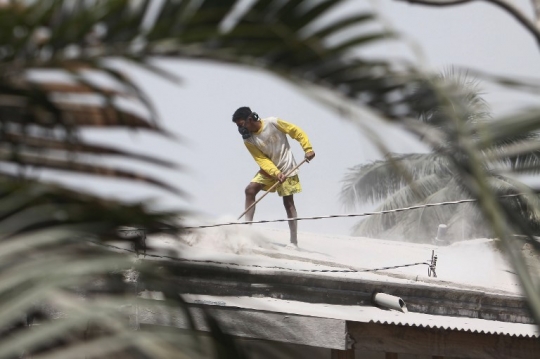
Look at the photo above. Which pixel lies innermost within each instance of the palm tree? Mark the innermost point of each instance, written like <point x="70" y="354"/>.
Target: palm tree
<point x="406" y="180"/>
<point x="52" y="247"/>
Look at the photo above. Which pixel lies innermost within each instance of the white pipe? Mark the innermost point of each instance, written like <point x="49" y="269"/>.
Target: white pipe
<point x="390" y="301"/>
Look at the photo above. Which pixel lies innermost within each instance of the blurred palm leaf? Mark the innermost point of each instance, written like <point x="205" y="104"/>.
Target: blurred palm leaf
<point x="63" y="292"/>
<point x="49" y="228"/>
<point x="52" y="273"/>
<point x="289" y="38"/>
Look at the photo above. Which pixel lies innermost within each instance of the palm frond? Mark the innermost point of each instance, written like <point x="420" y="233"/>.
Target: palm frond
<point x="522" y="124"/>
<point x="376" y="181"/>
<point x="514" y="151"/>
<point x="39" y="143"/>
<point x="457" y="96"/>
<point x="526" y="206"/>
<point x="504" y="149"/>
<point x="55" y="273"/>
<point x="404" y="197"/>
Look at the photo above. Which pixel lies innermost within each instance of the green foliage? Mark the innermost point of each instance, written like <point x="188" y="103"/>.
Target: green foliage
<point x="52" y="259"/>
<point x="54" y="256"/>
<point x="61" y="291"/>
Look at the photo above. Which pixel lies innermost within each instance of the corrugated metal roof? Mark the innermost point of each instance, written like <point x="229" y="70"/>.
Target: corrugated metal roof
<point x="368" y="314"/>
<point x="472" y="325"/>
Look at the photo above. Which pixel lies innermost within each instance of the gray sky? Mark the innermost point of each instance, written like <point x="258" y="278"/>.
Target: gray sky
<point x="218" y="165"/>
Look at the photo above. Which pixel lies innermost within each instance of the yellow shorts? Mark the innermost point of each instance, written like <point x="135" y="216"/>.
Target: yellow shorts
<point x="287" y="188"/>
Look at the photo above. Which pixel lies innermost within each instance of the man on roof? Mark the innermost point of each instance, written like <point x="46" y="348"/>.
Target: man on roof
<point x="267" y="142"/>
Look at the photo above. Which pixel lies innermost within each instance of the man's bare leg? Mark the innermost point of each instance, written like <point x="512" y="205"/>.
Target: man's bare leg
<point x="288" y="202"/>
<point x="251" y="192"/>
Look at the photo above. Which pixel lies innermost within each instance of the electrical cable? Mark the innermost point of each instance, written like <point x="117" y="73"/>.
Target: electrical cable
<point x="431" y="264"/>
<point x="364" y="214"/>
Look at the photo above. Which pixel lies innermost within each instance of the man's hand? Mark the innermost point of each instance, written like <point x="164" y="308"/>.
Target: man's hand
<point x="310" y="155"/>
<point x="281" y="177"/>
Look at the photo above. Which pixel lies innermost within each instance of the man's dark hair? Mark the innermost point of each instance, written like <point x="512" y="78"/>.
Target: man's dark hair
<point x="241" y="114"/>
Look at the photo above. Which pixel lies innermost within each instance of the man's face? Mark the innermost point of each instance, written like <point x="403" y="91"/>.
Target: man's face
<point x="247" y="123"/>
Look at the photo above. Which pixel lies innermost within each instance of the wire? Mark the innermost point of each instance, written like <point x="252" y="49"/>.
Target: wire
<point x="345" y="215"/>
<point x="350" y="270"/>
<point x="431" y="264"/>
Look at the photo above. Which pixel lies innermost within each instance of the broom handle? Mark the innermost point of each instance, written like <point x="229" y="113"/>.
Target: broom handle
<point x="270" y="189"/>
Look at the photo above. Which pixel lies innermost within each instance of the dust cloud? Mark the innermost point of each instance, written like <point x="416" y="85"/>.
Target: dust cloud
<point x="238" y="238"/>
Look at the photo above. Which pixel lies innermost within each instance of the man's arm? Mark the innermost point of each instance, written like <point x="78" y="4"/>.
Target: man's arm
<point x="299" y="135"/>
<point x="262" y="160"/>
